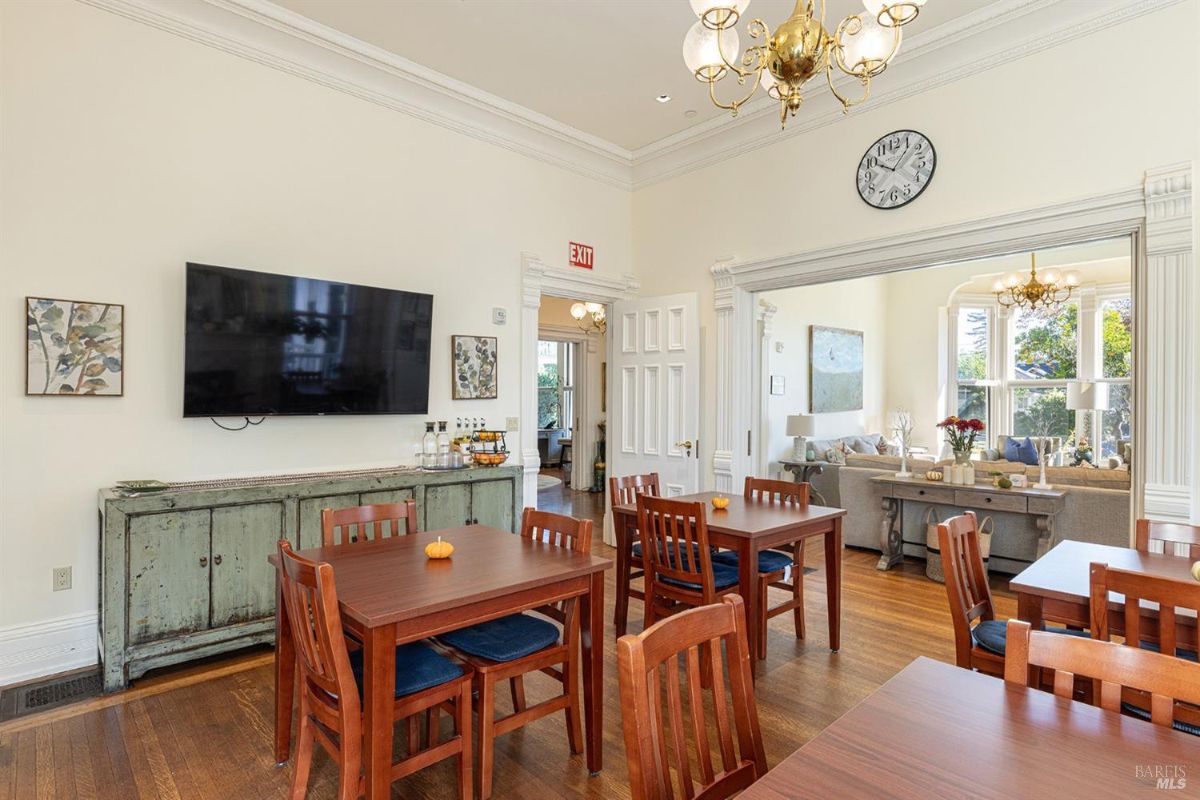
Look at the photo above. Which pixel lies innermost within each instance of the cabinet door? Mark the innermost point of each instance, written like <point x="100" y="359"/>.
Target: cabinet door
<point x="168" y="575"/>
<point x="243" y="583"/>
<point x="310" y="516"/>
<point x="492" y="504"/>
<point x="385" y="496"/>
<point x="447" y="506"/>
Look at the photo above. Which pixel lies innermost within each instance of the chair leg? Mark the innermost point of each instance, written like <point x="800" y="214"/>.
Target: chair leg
<point x="761" y="622"/>
<point x="414" y="735"/>
<point x="648" y="611"/>
<point x="303" y="758"/>
<point x="571" y="689"/>
<point x="798" y="591"/>
<point x="517" y="687"/>
<point x="487" y="735"/>
<point x="350" y="775"/>
<point x="621" y="612"/>
<point x="433" y="722"/>
<point x="462" y="726"/>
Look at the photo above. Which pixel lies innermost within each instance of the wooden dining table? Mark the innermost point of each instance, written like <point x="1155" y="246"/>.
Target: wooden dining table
<point x="1056" y="587"/>
<point x="390" y="593"/>
<point x="746" y="527"/>
<point x="936" y="730"/>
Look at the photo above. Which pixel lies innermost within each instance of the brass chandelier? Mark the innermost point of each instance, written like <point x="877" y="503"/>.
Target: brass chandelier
<point x="861" y="46"/>
<point x="591" y="317"/>
<point x="1033" y="292"/>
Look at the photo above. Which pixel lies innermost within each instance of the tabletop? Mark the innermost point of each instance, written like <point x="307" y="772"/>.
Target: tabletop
<point x="936" y="730"/>
<point x="1063" y="573"/>
<point x="390" y="580"/>
<point x="918" y="480"/>
<point x="753" y="517"/>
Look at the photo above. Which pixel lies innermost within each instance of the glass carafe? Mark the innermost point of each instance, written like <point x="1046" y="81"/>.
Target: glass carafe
<point x="429" y="447"/>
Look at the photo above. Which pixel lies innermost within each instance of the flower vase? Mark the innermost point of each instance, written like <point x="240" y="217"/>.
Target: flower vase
<point x="903" y="473"/>
<point x="962" y="457"/>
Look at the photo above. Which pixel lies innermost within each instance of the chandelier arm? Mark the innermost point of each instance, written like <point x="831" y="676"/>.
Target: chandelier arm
<point x="853" y="26"/>
<point x="756" y="28"/>
<point x="847" y="103"/>
<point x="733" y="105"/>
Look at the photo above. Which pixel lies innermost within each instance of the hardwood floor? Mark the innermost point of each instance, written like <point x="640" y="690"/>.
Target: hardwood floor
<point x="205" y="732"/>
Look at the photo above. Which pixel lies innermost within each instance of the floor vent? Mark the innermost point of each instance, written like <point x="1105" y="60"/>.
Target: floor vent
<point x="30" y="698"/>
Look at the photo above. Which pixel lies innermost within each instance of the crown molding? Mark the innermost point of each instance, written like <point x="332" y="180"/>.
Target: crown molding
<point x="267" y="34"/>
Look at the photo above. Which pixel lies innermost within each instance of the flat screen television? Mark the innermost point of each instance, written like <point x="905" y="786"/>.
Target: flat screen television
<point x="259" y="344"/>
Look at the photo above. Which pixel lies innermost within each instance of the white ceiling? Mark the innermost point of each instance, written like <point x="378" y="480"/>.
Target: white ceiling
<point x="595" y="65"/>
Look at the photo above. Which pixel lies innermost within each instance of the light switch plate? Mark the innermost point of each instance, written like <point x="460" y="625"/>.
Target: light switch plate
<point x="514" y="423"/>
<point x="499" y="316"/>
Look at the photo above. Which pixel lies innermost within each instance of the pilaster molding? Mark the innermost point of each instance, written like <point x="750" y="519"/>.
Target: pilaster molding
<point x="734" y="373"/>
<point x="1171" y="408"/>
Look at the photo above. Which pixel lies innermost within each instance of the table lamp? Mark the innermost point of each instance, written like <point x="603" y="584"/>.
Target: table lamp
<point x="801" y="426"/>
<point x="1087" y="396"/>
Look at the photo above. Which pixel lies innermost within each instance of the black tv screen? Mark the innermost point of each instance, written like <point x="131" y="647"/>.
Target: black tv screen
<point x="259" y="344"/>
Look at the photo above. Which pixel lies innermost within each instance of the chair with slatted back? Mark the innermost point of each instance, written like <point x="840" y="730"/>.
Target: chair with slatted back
<point x="1169" y="682"/>
<point x="630" y="566"/>
<point x="510" y="647"/>
<point x="1175" y="538"/>
<point x="680" y="571"/>
<point x="1159" y="615"/>
<point x="978" y="645"/>
<point x="367" y="523"/>
<point x="661" y="746"/>
<point x="774" y="566"/>
<point x="330" y="686"/>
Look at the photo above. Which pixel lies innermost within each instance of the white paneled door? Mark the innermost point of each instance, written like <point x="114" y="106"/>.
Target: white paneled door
<point x="655" y="416"/>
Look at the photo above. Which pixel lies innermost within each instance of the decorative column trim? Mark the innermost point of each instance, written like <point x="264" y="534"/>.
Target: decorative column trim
<point x="762" y="392"/>
<point x="734" y="374"/>
<point x="1170" y="408"/>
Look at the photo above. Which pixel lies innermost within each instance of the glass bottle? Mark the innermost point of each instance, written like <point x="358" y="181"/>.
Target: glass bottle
<point x="443" y="446"/>
<point x="429" y="447"/>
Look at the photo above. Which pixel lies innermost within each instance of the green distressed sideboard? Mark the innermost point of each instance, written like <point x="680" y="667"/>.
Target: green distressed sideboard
<point x="184" y="572"/>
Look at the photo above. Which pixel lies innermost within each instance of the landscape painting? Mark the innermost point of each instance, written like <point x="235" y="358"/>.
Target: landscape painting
<point x="74" y="347"/>
<point x="475" y="373"/>
<point x="835" y="361"/>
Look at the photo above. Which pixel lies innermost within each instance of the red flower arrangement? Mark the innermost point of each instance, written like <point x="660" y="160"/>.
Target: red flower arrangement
<point x="961" y="433"/>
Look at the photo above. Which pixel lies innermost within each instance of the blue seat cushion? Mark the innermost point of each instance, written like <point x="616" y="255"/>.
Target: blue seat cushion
<point x="768" y="560"/>
<point x="418" y="667"/>
<point x="990" y="634"/>
<point x="504" y="639"/>
<point x="1141" y="713"/>
<point x="724" y="576"/>
<point x="1187" y="655"/>
<point x="637" y="550"/>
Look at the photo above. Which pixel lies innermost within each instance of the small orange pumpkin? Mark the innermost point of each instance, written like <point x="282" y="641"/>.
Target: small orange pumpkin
<point x="439" y="549"/>
<point x="1196" y="570"/>
<point x="720" y="502"/>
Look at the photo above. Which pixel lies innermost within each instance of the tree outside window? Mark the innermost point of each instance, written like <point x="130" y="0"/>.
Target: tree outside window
<point x="1116" y="424"/>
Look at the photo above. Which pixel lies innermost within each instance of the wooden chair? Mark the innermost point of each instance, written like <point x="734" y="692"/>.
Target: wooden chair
<point x="630" y="564"/>
<point x="694" y="639"/>
<point x="1166" y="680"/>
<point x="679" y="568"/>
<point x="367" y="523"/>
<point x="979" y="646"/>
<point x="329" y="676"/>
<point x="1171" y="534"/>
<point x="773" y="565"/>
<point x="509" y="647"/>
<point x="1159" y="615"/>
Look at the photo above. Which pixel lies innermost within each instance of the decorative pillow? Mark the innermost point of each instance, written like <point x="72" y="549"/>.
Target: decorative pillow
<point x="862" y="445"/>
<point x="835" y="456"/>
<point x="1025" y="452"/>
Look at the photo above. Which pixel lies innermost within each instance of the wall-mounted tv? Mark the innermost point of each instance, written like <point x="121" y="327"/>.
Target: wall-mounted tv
<point x="259" y="344"/>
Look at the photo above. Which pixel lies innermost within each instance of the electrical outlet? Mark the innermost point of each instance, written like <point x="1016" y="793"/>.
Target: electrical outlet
<point x="514" y="423"/>
<point x="62" y="578"/>
<point x="499" y="316"/>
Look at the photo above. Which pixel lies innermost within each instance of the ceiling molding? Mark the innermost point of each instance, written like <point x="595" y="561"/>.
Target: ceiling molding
<point x="267" y="34"/>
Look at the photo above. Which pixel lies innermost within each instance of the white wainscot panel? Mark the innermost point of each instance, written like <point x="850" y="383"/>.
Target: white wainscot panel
<point x="675" y="409"/>
<point x="651" y="340"/>
<point x="628" y="410"/>
<point x="650" y="397"/>
<point x="675" y="489"/>
<point x="629" y="332"/>
<point x="675" y="328"/>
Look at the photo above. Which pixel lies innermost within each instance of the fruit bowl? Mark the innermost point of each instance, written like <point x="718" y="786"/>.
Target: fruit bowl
<point x="490" y="459"/>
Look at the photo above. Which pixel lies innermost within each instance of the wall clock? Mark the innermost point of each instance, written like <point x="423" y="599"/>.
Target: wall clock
<point x="896" y="169"/>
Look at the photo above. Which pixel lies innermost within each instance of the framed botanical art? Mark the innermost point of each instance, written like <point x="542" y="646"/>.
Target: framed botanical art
<point x="74" y="347"/>
<point x="835" y="363"/>
<point x="474" y="372"/>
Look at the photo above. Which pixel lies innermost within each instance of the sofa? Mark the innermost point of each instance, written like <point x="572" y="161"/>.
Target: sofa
<point x="1097" y="507"/>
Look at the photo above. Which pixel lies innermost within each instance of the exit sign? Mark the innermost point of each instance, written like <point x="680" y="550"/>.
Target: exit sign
<point x="582" y="255"/>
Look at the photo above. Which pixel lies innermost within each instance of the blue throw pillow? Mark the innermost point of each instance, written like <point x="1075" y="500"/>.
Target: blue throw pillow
<point x="1025" y="452"/>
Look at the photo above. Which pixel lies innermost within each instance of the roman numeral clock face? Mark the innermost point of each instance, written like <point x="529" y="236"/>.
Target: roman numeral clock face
<point x="896" y="169"/>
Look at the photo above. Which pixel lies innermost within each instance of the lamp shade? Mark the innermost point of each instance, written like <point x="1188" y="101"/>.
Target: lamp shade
<point x="1087" y="396"/>
<point x="801" y="425"/>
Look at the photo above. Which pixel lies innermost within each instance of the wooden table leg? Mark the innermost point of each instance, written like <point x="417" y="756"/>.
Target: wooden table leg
<point x="1029" y="608"/>
<point x="833" y="583"/>
<point x="379" y="691"/>
<point x="285" y="676"/>
<point x="591" y="640"/>
<point x="621" y="612"/>
<point x="748" y="589"/>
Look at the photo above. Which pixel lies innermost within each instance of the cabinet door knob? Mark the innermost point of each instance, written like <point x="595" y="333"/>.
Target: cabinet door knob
<point x="217" y="560"/>
<point x="203" y="561"/>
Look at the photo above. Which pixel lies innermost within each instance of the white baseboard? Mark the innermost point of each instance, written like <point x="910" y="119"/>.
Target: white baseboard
<point x="39" y="649"/>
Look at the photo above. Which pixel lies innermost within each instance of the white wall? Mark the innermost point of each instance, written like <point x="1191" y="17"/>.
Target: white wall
<point x="1019" y="136"/>
<point x="858" y="305"/>
<point x="127" y="151"/>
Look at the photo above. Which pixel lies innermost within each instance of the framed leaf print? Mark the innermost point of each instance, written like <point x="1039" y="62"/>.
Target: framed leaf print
<point x="74" y="347"/>
<point x="475" y="374"/>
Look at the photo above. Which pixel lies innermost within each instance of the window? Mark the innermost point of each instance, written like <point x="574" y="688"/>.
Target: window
<point x="1116" y="342"/>
<point x="974" y="335"/>
<point x="556" y="389"/>
<point x="1045" y="344"/>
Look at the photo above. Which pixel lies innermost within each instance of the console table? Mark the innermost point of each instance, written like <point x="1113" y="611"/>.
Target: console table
<point x="1041" y="504"/>
<point x="184" y="572"/>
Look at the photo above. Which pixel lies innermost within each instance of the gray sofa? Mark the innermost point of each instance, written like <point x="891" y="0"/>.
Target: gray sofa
<point x="1097" y="507"/>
